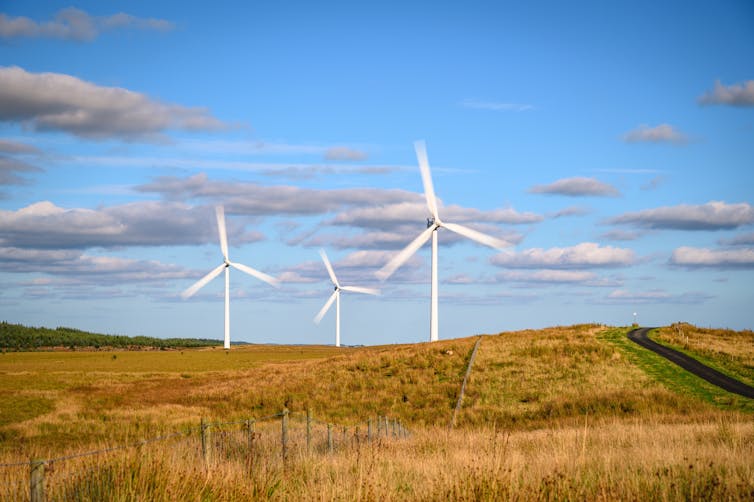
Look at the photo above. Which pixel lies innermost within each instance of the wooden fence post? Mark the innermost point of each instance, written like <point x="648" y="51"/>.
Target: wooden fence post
<point x="387" y="427"/>
<point x="205" y="442"/>
<point x="369" y="431"/>
<point x="345" y="439"/>
<point x="308" y="430"/>
<point x="329" y="438"/>
<point x="250" y="423"/>
<point x="285" y="433"/>
<point x="37" y="480"/>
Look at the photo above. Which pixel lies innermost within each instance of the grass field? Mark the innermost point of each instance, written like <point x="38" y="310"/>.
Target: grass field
<point x="566" y="412"/>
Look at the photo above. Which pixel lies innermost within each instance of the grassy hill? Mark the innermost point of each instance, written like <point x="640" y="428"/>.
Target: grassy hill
<point x="19" y="337"/>
<point x="580" y="409"/>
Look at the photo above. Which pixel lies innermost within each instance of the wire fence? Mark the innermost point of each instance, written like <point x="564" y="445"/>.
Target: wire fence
<point x="254" y="441"/>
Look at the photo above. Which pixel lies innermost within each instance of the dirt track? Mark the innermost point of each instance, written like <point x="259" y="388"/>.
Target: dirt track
<point x="690" y="364"/>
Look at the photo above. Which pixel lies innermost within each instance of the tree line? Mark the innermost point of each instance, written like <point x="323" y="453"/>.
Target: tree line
<point x="20" y="337"/>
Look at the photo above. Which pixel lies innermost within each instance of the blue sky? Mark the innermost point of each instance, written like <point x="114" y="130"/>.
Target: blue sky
<point x="609" y="143"/>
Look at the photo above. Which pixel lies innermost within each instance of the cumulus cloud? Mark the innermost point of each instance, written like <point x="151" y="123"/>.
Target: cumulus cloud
<point x="495" y="106"/>
<point x="713" y="258"/>
<point x="663" y="133"/>
<point x="255" y="199"/>
<point x="577" y="187"/>
<point x="714" y="215"/>
<point x="584" y="255"/>
<point x="344" y="153"/>
<point x="75" y="24"/>
<point x="81" y="268"/>
<point x="58" y="102"/>
<point x="46" y="226"/>
<point x="731" y="95"/>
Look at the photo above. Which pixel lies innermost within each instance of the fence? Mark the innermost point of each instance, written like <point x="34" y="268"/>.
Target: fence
<point x="255" y="440"/>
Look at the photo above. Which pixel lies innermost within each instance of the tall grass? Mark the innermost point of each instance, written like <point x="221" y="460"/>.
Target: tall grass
<point x="611" y="461"/>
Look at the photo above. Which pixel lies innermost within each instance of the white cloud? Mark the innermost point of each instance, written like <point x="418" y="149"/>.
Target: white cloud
<point x="577" y="187"/>
<point x="344" y="153"/>
<point x="714" y="215"/>
<point x="584" y="255"/>
<point x="80" y="268"/>
<point x="713" y="258"/>
<point x="256" y="199"/>
<point x="495" y="106"/>
<point x="75" y="24"/>
<point x="655" y="296"/>
<point x="45" y="226"/>
<point x="663" y="133"/>
<point x="548" y="276"/>
<point x="58" y="102"/>
<point x="732" y="95"/>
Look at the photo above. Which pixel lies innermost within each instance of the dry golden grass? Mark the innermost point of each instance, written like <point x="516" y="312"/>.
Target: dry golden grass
<point x="613" y="461"/>
<point x="555" y="413"/>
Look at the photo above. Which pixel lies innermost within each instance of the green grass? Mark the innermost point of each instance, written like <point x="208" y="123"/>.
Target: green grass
<point x="673" y="376"/>
<point x="729" y="352"/>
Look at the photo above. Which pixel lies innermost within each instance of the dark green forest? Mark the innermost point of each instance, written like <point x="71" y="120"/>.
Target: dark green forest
<point x="19" y="337"/>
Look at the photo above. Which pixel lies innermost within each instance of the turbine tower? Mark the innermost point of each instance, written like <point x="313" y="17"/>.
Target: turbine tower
<point x="225" y="265"/>
<point x="335" y="297"/>
<point x="433" y="224"/>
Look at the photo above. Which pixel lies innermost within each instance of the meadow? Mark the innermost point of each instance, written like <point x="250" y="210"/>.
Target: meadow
<point x="573" y="412"/>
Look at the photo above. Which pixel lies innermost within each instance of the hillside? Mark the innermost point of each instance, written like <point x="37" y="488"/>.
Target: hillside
<point x="579" y="412"/>
<point x="19" y="337"/>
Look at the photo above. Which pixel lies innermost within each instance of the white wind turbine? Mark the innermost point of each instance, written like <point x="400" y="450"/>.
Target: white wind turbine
<point x="335" y="297"/>
<point x="433" y="224"/>
<point x="226" y="264"/>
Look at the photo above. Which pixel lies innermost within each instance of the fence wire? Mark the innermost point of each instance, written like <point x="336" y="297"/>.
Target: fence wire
<point x="269" y="440"/>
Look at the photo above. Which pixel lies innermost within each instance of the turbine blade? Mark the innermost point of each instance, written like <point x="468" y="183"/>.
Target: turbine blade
<point x="399" y="259"/>
<point x="429" y="190"/>
<point x="357" y="289"/>
<point x="256" y="273"/>
<point x="201" y="282"/>
<point x="220" y="214"/>
<point x="324" y="310"/>
<point x="474" y="235"/>
<point x="329" y="267"/>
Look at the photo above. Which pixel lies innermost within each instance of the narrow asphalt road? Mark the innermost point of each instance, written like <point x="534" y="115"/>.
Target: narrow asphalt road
<point x="690" y="364"/>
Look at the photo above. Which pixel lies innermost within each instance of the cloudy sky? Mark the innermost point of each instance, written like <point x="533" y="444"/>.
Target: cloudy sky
<point x="611" y="144"/>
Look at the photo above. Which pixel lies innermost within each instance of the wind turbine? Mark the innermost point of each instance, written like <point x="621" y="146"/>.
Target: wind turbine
<point x="335" y="297"/>
<point x="433" y="224"/>
<point x="225" y="265"/>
